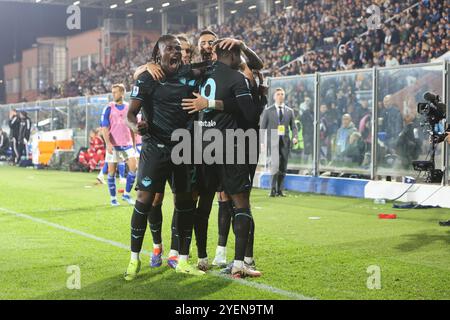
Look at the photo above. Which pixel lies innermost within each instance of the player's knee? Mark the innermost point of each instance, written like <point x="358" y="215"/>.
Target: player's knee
<point x="241" y="202"/>
<point x="142" y="208"/>
<point x="112" y="169"/>
<point x="132" y="164"/>
<point x="145" y="197"/>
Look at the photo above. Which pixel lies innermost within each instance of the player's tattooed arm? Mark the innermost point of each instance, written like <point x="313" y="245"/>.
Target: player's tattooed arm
<point x="254" y="62"/>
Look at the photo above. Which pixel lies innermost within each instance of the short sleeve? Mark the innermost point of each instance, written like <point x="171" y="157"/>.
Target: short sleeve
<point x="143" y="87"/>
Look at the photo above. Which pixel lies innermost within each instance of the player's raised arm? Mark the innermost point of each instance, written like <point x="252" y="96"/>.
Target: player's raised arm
<point x="254" y="62"/>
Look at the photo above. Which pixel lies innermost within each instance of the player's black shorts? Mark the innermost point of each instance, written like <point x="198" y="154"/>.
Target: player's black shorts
<point x="156" y="168"/>
<point x="231" y="178"/>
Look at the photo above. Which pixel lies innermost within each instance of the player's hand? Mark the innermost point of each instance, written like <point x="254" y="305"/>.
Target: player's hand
<point x="195" y="105"/>
<point x="295" y="141"/>
<point x="109" y="148"/>
<point x="12" y="113"/>
<point x="156" y="71"/>
<point x="229" y="43"/>
<point x="142" y="128"/>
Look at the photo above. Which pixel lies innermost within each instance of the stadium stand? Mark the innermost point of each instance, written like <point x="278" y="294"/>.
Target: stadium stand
<point x="311" y="36"/>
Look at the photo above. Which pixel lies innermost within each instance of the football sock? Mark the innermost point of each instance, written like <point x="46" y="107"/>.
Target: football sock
<point x="134" y="255"/>
<point x="201" y="218"/>
<point x="155" y="221"/>
<point x="121" y="168"/>
<point x="242" y="222"/>
<point x="251" y="238"/>
<point x="112" y="186"/>
<point x="225" y="214"/>
<point x="185" y="223"/>
<point x="130" y="182"/>
<point x="174" y="245"/>
<point x="138" y="225"/>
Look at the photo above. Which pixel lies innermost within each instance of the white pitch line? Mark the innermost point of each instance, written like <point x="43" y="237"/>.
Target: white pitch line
<point x="255" y="285"/>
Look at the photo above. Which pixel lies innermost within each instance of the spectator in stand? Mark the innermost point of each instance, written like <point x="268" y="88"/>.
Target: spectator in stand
<point x="343" y="136"/>
<point x="353" y="154"/>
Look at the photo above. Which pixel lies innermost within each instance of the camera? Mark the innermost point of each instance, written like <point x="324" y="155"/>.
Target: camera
<point x="433" y="112"/>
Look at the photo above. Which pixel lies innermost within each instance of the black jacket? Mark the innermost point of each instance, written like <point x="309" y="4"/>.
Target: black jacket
<point x="24" y="129"/>
<point x="14" y="127"/>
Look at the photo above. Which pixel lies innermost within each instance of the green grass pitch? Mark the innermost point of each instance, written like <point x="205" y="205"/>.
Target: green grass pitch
<point x="67" y="217"/>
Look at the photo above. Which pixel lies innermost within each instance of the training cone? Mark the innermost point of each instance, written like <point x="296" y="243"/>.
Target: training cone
<point x="121" y="191"/>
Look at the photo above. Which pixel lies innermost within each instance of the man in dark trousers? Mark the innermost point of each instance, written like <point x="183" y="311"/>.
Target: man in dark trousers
<point x="14" y="134"/>
<point x="280" y="118"/>
<point x="24" y="134"/>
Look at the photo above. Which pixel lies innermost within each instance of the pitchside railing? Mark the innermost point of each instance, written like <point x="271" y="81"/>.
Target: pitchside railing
<point x="384" y="147"/>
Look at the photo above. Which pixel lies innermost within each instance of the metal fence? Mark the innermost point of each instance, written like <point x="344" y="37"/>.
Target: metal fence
<point x="384" y="147"/>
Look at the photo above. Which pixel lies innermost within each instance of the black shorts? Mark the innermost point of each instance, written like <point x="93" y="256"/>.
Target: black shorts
<point x="231" y="178"/>
<point x="156" y="168"/>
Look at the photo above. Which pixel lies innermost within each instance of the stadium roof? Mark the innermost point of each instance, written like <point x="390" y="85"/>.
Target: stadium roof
<point x="127" y="5"/>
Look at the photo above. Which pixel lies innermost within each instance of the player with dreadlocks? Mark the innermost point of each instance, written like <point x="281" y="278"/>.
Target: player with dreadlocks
<point x="157" y="73"/>
<point x="160" y="103"/>
<point x="226" y="210"/>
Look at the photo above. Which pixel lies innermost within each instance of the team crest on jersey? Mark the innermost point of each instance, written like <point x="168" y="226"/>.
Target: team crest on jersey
<point x="135" y="91"/>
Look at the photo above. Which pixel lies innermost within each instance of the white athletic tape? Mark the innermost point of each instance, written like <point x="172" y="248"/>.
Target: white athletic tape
<point x="255" y="285"/>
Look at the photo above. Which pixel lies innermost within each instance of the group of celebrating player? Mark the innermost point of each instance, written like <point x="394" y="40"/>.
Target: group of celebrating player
<point x="224" y="92"/>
